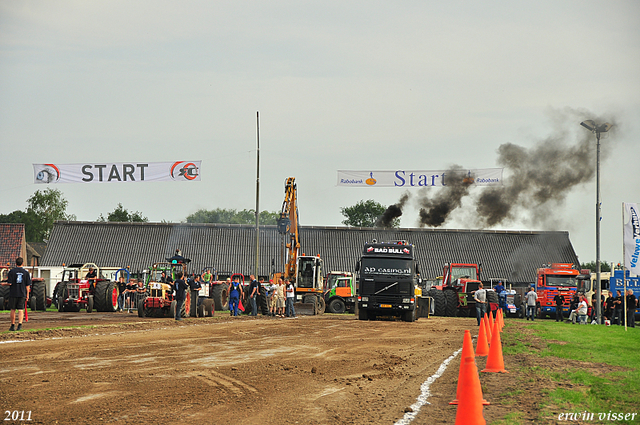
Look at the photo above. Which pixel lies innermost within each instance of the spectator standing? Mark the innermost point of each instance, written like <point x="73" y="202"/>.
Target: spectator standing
<point x="254" y="291"/>
<point x="618" y="318"/>
<point x="608" y="313"/>
<point x="122" y="289"/>
<point x="631" y="309"/>
<point x="196" y="286"/>
<point x="532" y="302"/>
<point x="207" y="276"/>
<point x="558" y="299"/>
<point x="291" y="296"/>
<point x="272" y="298"/>
<point x="480" y="296"/>
<point x="234" y="295"/>
<point x="499" y="288"/>
<point x="130" y="295"/>
<point x="181" y="289"/>
<point x="280" y="302"/>
<point x="19" y="282"/>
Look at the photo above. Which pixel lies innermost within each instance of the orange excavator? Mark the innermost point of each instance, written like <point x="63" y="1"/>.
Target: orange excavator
<point x="306" y="272"/>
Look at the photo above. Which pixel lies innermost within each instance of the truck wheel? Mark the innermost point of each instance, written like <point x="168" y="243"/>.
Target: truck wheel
<point x="141" y="308"/>
<point x="363" y="314"/>
<point x="409" y="316"/>
<point x="451" y="304"/>
<point x="220" y="296"/>
<point x="337" y="306"/>
<point x="439" y="300"/>
<point x="89" y="303"/>
<point x="106" y="296"/>
<point x="39" y="289"/>
<point x="62" y="294"/>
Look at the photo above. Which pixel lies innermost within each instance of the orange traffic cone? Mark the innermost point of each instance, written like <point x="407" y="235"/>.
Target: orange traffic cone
<point x="487" y="329"/>
<point x="467" y="351"/>
<point x="470" y="405"/>
<point x="482" y="346"/>
<point x="495" y="362"/>
<point x="501" y="319"/>
<point x="490" y="320"/>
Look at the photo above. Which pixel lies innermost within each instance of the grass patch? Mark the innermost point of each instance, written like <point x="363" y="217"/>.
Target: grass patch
<point x="513" y="418"/>
<point x="604" y="377"/>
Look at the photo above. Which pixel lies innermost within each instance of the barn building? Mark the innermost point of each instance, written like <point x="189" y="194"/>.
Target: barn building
<point x="511" y="255"/>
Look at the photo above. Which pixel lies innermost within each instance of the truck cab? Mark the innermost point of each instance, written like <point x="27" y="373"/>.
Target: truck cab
<point x="388" y="281"/>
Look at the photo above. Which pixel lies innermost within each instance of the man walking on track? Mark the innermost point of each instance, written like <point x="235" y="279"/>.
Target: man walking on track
<point x="20" y="282"/>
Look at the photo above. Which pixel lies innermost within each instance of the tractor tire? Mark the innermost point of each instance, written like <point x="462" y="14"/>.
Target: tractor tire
<point x="39" y="290"/>
<point x="54" y="296"/>
<point x="246" y="302"/>
<point x="262" y="301"/>
<point x="1" y="303"/>
<point x="32" y="302"/>
<point x="193" y="304"/>
<point x="62" y="294"/>
<point x="493" y="297"/>
<point x="363" y="314"/>
<point x="452" y="303"/>
<point x="337" y="306"/>
<point x="172" y="309"/>
<point x="322" y="305"/>
<point x="439" y="300"/>
<point x="185" y="311"/>
<point x="220" y="296"/>
<point x="4" y="293"/>
<point x="106" y="296"/>
<point x="141" y="311"/>
<point x="89" y="303"/>
<point x="207" y="305"/>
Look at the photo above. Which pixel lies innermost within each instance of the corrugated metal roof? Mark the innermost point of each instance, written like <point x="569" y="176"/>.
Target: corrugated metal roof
<point x="514" y="255"/>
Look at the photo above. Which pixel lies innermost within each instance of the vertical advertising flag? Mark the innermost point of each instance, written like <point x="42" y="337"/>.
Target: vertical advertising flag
<point x="632" y="239"/>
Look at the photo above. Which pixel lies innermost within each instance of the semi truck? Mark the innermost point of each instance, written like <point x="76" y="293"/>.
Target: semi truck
<point x="553" y="279"/>
<point x="388" y="281"/>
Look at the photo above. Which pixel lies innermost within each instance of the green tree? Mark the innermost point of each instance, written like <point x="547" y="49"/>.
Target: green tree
<point x="43" y="209"/>
<point x="231" y="216"/>
<point x="121" y="215"/>
<point x="365" y="214"/>
<point x="591" y="265"/>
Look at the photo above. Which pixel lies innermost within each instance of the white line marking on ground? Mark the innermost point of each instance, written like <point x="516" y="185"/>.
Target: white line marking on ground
<point x="425" y="392"/>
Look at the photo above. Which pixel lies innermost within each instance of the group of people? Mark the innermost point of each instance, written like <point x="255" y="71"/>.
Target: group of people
<point x="612" y="308"/>
<point x="280" y="296"/>
<point x="129" y="293"/>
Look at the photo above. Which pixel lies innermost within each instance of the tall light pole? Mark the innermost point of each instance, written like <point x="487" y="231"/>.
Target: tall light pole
<point x="597" y="129"/>
<point x="257" y="193"/>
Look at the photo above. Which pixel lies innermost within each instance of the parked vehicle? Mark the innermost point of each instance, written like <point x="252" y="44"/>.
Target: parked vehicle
<point x="75" y="291"/>
<point x="160" y="300"/>
<point x="340" y="292"/>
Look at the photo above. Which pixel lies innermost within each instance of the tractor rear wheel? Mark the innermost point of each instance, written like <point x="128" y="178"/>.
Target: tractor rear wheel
<point x="220" y="296"/>
<point x="4" y="294"/>
<point x="439" y="300"/>
<point x="452" y="303"/>
<point x="32" y="302"/>
<point x="207" y="308"/>
<point x="89" y="303"/>
<point x="106" y="296"/>
<point x="337" y="306"/>
<point x="193" y="304"/>
<point x="492" y="297"/>
<point x="141" y="308"/>
<point x="62" y="295"/>
<point x="262" y="301"/>
<point x="39" y="290"/>
<point x="172" y="309"/>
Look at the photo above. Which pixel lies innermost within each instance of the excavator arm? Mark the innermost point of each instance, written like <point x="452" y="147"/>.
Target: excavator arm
<point x="288" y="225"/>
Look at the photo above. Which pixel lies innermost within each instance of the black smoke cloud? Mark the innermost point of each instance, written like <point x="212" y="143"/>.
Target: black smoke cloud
<point x="393" y="211"/>
<point x="536" y="183"/>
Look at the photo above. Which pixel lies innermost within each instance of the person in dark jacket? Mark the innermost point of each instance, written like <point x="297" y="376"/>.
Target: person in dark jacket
<point x="181" y="289"/>
<point x="632" y="304"/>
<point x="19" y="281"/>
<point x="558" y="299"/>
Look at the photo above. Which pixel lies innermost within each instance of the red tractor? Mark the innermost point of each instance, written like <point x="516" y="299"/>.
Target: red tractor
<point x="78" y="289"/>
<point x="454" y="294"/>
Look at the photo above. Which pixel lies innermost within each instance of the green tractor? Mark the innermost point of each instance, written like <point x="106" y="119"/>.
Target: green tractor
<point x="340" y="292"/>
<point x="160" y="301"/>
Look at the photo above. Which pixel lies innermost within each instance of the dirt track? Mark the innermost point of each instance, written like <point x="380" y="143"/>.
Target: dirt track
<point x="323" y="369"/>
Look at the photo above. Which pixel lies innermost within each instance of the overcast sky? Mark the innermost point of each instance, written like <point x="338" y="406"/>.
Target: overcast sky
<point x="362" y="85"/>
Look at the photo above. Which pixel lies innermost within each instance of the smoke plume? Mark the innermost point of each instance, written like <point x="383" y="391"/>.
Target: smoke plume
<point x="536" y="183"/>
<point x="393" y="211"/>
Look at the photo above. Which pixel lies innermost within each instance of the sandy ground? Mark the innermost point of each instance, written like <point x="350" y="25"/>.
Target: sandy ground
<point x="329" y="369"/>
